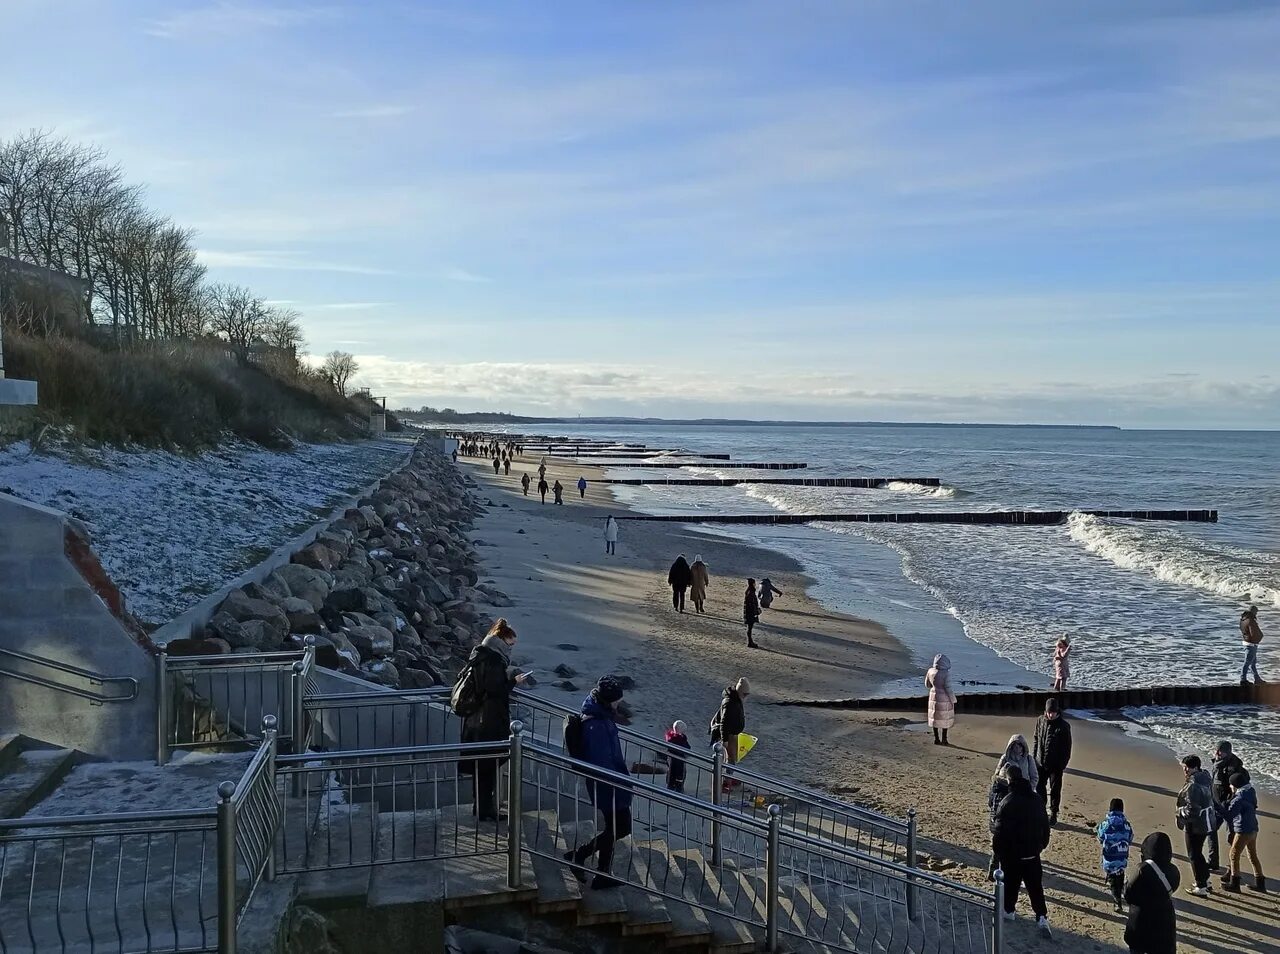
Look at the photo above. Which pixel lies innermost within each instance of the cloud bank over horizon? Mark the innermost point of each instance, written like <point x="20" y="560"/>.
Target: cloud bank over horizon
<point x="1063" y="213"/>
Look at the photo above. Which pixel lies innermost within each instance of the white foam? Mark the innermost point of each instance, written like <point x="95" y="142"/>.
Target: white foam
<point x="918" y="490"/>
<point x="1176" y="558"/>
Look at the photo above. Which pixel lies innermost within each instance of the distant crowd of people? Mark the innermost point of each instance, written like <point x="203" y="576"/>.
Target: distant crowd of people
<point x="694" y="578"/>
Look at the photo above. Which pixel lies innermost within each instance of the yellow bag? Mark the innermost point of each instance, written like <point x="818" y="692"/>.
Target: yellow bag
<point x="745" y="744"/>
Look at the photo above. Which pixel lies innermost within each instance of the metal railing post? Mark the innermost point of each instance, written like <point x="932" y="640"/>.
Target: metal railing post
<point x="226" y="869"/>
<point x="270" y="738"/>
<point x="997" y="924"/>
<point x="717" y="783"/>
<point x="514" y="801"/>
<point x="163" y="701"/>
<point x="912" y="907"/>
<point x="298" y="711"/>
<point x="771" y="882"/>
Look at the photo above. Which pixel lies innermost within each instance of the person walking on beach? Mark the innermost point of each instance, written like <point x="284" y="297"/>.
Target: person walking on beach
<point x="678" y="577"/>
<point x="497" y="466"/>
<point x="1052" y="754"/>
<point x="558" y="490"/>
<point x="1115" y="835"/>
<point x="1225" y="764"/>
<point x="483" y="692"/>
<point x="1016" y="753"/>
<point x="542" y="469"/>
<point x="1242" y="817"/>
<point x="730" y="721"/>
<point x="942" y="700"/>
<point x="767" y="592"/>
<point x="610" y="536"/>
<point x="1061" y="664"/>
<point x="542" y="489"/>
<point x="455" y="455"/>
<point x="1153" y="924"/>
<point x="525" y="482"/>
<point x="677" y="735"/>
<point x="1195" y="817"/>
<point x="698" y="580"/>
<point x="506" y="466"/>
<point x="1251" y="635"/>
<point x="750" y="611"/>
<point x="601" y="747"/>
<point x="582" y="488"/>
<point x="1021" y="833"/>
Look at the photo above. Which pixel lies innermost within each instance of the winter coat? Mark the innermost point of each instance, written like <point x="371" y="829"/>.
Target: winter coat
<point x="675" y="765"/>
<point x="679" y="574"/>
<point x="601" y="746"/>
<point x="1250" y="631"/>
<point x="730" y="719"/>
<point x="995" y="795"/>
<point x="1053" y="744"/>
<point x="494" y="682"/>
<point x="942" y="701"/>
<point x="1242" y="811"/>
<point x="1195" y="811"/>
<point x="1025" y="762"/>
<point x="1223" y="769"/>
<point x="767" y="592"/>
<point x="1062" y="662"/>
<point x="1022" y="826"/>
<point x="1153" y="924"/>
<point x="582" y="484"/>
<point x="698" y="579"/>
<point x="611" y="531"/>
<point x="750" y="607"/>
<point x="1115" y="835"/>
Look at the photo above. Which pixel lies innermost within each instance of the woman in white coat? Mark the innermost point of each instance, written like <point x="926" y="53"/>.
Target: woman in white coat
<point x="942" y="701"/>
<point x="611" y="536"/>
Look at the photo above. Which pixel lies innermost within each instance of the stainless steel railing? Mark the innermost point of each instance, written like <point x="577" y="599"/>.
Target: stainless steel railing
<point x="141" y="882"/>
<point x="128" y="683"/>
<point x="205" y="702"/>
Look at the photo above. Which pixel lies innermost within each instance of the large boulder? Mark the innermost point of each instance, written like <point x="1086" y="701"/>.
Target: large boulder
<point x="302" y="616"/>
<point x="304" y="582"/>
<point x="344" y="599"/>
<point x="317" y="556"/>
<point x="244" y="608"/>
<point x="381" y="672"/>
<point x="212" y="646"/>
<point x="372" y="641"/>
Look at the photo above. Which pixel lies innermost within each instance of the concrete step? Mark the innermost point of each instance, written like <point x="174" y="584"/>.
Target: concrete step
<point x="558" y="889"/>
<point x="647" y="912"/>
<point x="407" y="838"/>
<point x="475" y="862"/>
<point x="707" y="887"/>
<point x="689" y="925"/>
<point x="31" y="776"/>
<point x="11" y="746"/>
<point x="339" y="855"/>
<point x="597" y="907"/>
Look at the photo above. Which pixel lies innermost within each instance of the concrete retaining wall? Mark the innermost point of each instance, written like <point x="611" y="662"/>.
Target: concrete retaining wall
<point x="57" y="603"/>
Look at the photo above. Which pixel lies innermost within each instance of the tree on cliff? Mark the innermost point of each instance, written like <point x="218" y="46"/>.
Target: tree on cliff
<point x="339" y="367"/>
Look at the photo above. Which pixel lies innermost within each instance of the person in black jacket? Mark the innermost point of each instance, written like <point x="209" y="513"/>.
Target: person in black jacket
<point x="1153" y="924"/>
<point x="1052" y="753"/>
<point x="730" y="721"/>
<point x="1225" y="764"/>
<point x="1019" y="833"/>
<point x="680" y="576"/>
<point x="495" y="677"/>
<point x="750" y="611"/>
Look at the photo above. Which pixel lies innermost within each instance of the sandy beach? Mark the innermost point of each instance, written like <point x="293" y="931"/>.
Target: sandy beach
<point x="616" y="612"/>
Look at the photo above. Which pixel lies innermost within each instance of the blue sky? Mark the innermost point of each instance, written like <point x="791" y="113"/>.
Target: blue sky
<point x="1000" y="211"/>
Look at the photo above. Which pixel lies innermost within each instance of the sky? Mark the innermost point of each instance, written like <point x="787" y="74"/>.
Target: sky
<point x="879" y="210"/>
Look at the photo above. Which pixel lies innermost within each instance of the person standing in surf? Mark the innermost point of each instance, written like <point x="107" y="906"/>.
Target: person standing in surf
<point x="1061" y="664"/>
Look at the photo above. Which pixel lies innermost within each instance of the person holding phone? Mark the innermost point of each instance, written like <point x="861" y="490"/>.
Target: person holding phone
<point x="495" y="678"/>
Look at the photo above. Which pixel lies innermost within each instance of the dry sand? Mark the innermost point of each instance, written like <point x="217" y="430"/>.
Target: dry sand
<point x="616" y="611"/>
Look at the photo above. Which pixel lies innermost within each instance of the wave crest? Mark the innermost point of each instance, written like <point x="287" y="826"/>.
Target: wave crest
<point x="919" y="490"/>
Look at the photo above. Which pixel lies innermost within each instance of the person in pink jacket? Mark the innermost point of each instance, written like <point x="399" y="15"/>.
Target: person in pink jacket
<point x="942" y="701"/>
<point x="1061" y="664"/>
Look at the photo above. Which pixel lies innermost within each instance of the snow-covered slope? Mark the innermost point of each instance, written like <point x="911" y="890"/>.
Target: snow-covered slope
<point x="172" y="529"/>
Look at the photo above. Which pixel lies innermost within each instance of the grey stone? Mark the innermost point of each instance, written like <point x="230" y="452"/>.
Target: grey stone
<point x="565" y="671"/>
<point x="304" y="582"/>
<point x="372" y="641"/>
<point x="381" y="672"/>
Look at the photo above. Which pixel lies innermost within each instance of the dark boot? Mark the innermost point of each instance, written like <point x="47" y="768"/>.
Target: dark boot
<point x="1259" y="885"/>
<point x="1231" y="884"/>
<point x="578" y="857"/>
<point x="944" y="737"/>
<point x="936" y="739"/>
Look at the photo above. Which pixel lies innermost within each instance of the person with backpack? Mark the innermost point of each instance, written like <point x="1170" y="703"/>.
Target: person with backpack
<point x="1153" y="924"/>
<point x="1195" y="817"/>
<point x="678" y="734"/>
<point x="595" y="740"/>
<point x="1225" y="764"/>
<point x="1251" y="636"/>
<point x="1052" y="754"/>
<point x="1115" y="835"/>
<point x="1021" y="833"/>
<point x="482" y="697"/>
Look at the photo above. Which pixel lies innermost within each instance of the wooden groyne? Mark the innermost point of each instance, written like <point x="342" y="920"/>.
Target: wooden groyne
<point x="1031" y="702"/>
<point x="717" y="465"/>
<point x="1034" y="518"/>
<point x="863" y="482"/>
<point x="647" y="455"/>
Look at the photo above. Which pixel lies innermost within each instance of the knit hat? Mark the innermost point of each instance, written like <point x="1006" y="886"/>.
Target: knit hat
<point x="1240" y="780"/>
<point x="1051" y="705"/>
<point x="607" y="691"/>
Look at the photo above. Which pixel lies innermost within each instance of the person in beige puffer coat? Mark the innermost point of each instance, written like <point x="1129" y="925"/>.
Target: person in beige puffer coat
<point x="942" y="701"/>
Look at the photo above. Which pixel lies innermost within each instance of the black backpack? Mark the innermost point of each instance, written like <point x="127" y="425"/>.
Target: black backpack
<point x="465" y="698"/>
<point x="575" y="745"/>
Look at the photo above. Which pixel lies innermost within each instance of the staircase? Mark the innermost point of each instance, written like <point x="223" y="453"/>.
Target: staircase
<point x="29" y="771"/>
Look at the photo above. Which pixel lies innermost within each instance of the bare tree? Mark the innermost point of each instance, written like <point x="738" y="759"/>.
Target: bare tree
<point x="340" y="367"/>
<point x="236" y="315"/>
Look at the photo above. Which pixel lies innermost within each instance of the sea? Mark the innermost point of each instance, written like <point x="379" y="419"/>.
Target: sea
<point x="1144" y="603"/>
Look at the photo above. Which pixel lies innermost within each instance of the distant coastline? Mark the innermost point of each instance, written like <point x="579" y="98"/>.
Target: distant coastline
<point x="488" y="417"/>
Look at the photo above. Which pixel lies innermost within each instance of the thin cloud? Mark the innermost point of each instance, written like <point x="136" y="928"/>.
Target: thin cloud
<point x="234" y="20"/>
<point x="281" y="261"/>
<point x="454" y="274"/>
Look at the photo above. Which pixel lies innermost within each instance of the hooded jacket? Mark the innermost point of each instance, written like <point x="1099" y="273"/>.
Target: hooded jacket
<point x="730" y="719"/>
<point x="698" y="580"/>
<point x="1250" y="631"/>
<point x="1223" y="769"/>
<point x="1153" y="924"/>
<point x="601" y="746"/>
<point x="1021" y="828"/>
<point x="1053" y="743"/>
<point x="1115" y="834"/>
<point x="767" y="593"/>
<point x="676" y="765"/>
<point x="1024" y="762"/>
<point x="679" y="574"/>
<point x="942" y="701"/>
<point x="1195" y="804"/>
<point x="1242" y="811"/>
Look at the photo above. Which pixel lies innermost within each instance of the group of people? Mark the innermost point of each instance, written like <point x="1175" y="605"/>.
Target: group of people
<point x="1209" y="801"/>
<point x="476" y="445"/>
<point x="694" y="579"/>
<point x="557" y="488"/>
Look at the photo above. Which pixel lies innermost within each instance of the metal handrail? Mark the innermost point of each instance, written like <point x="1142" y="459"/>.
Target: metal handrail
<point x="97" y="698"/>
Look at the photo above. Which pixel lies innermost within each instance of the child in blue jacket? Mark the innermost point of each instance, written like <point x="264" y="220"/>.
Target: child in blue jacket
<point x="1115" y="834"/>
